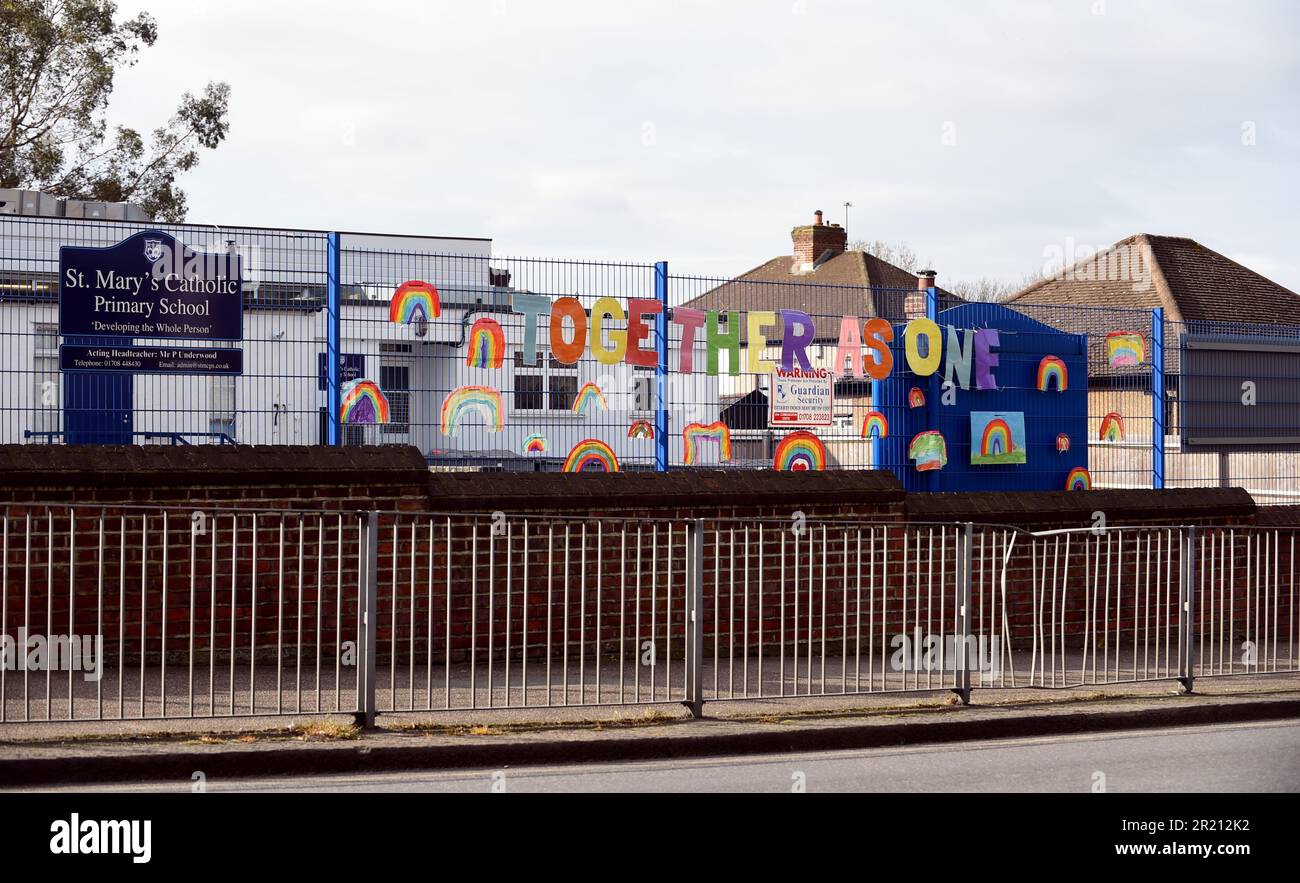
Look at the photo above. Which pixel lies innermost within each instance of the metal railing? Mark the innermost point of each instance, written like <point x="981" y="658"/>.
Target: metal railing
<point x="146" y="613"/>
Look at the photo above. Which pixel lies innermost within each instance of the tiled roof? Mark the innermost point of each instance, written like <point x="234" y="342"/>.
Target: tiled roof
<point x="1191" y="282"/>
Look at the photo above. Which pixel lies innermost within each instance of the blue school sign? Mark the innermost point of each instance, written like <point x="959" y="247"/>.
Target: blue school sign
<point x="1006" y="436"/>
<point x="149" y="286"/>
<point x="153" y="286"/>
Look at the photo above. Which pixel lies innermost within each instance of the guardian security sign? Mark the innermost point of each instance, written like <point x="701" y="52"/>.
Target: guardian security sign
<point x="150" y="285"/>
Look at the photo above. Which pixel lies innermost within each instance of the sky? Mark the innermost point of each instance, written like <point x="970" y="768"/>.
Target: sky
<point x="989" y="135"/>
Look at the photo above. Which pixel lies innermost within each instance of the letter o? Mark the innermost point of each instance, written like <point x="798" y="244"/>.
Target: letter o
<point x="916" y="329"/>
<point x="568" y="352"/>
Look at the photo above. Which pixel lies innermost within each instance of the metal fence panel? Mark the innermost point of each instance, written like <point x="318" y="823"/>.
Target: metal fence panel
<point x="140" y="613"/>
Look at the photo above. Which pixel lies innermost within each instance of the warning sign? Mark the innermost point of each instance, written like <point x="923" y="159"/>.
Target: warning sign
<point x="801" y="398"/>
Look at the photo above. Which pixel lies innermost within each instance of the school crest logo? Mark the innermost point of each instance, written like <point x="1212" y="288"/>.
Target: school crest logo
<point x="153" y="249"/>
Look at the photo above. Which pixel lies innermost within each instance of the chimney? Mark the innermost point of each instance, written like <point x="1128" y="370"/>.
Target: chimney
<point x="816" y="240"/>
<point x="914" y="304"/>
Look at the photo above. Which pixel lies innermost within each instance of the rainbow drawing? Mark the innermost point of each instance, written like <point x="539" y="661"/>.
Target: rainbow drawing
<point x="536" y="444"/>
<point x="1112" y="428"/>
<point x="589" y="393"/>
<point x="696" y="433"/>
<point x="916" y="398"/>
<point x="487" y="344"/>
<point x="929" y="450"/>
<point x="1063" y="443"/>
<point x="591" y="455"/>
<point x="1052" y="369"/>
<point x="412" y="299"/>
<point x="1078" y="480"/>
<point x="1125" y="348"/>
<point x="875" y="424"/>
<point x="364" y="404"/>
<point x="482" y="400"/>
<point x="800" y="452"/>
<point x="997" y="439"/>
<point x="642" y="429"/>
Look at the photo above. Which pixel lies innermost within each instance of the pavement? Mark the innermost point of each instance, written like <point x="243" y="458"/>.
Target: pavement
<point x="496" y="739"/>
<point x="1225" y="758"/>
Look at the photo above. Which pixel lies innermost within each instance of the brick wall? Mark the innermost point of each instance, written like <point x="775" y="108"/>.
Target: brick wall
<point x="289" y="571"/>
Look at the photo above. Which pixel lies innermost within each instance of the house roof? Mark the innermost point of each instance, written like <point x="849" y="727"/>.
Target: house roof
<point x="852" y="283"/>
<point x="1191" y="282"/>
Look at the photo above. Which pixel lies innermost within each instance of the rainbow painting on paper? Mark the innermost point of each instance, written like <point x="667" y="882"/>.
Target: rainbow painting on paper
<point x="997" y="439"/>
<point x="591" y="455"/>
<point x="487" y="344"/>
<point x="536" y="444"/>
<point x="1051" y="371"/>
<point x="1125" y="349"/>
<point x="589" y="393"/>
<point x="1078" y="480"/>
<point x="800" y="452"/>
<point x="696" y="434"/>
<point x="364" y="404"/>
<point x="876" y="425"/>
<point x="414" y="300"/>
<point x="642" y="429"/>
<point x="481" y="400"/>
<point x="1063" y="443"/>
<point x="929" y="450"/>
<point x="1112" y="428"/>
<point x="916" y="398"/>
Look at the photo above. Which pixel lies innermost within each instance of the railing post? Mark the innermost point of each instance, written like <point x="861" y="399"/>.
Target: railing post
<point x="334" y="341"/>
<point x="1158" y="398"/>
<point x="964" y="576"/>
<point x="661" y="368"/>
<point x="367" y="701"/>
<point x="1187" y="613"/>
<point x="695" y="618"/>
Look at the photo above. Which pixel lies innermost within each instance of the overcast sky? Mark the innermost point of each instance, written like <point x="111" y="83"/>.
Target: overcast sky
<point x="984" y="134"/>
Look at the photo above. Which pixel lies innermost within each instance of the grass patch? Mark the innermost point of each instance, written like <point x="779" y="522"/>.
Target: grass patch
<point x="325" y="732"/>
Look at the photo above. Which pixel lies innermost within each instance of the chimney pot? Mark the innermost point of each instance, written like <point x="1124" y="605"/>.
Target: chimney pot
<point x="816" y="241"/>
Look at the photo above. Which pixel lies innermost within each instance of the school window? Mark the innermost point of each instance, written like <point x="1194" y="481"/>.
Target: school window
<point x="221" y="410"/>
<point x="395" y="381"/>
<point x="46" y="393"/>
<point x="564" y="391"/>
<point x="538" y="388"/>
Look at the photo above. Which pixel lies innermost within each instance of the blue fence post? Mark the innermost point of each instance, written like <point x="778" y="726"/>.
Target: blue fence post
<point x="1158" y="398"/>
<point x="661" y="368"/>
<point x="334" y="342"/>
<point x="932" y="304"/>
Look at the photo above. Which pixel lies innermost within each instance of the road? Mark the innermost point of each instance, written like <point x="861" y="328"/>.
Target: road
<point x="1229" y="758"/>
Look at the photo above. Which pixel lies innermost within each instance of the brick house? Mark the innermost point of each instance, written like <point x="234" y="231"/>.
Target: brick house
<point x="823" y="278"/>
